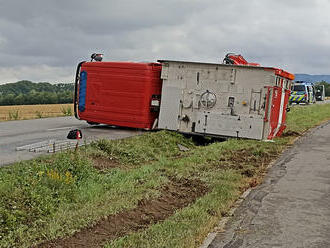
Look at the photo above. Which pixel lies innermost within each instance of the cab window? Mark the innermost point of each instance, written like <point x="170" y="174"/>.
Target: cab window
<point x="299" y="88"/>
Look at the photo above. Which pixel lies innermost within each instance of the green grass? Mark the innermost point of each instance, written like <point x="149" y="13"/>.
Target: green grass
<point x="14" y="115"/>
<point x="301" y="118"/>
<point x="142" y="149"/>
<point x="55" y="196"/>
<point x="67" y="111"/>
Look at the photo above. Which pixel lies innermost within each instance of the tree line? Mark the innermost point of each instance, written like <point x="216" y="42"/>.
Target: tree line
<point x="26" y="93"/>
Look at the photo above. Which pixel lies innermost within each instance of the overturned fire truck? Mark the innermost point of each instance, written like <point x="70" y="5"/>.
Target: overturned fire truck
<point x="233" y="99"/>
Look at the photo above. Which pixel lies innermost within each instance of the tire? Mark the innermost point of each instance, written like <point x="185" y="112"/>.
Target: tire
<point x="93" y="123"/>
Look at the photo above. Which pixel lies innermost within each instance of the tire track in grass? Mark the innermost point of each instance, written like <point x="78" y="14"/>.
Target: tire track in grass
<point x="177" y="194"/>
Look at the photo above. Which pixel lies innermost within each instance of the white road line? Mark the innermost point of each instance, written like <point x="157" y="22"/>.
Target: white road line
<point x="59" y="128"/>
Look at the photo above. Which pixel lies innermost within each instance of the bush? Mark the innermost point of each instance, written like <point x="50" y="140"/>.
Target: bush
<point x="31" y="193"/>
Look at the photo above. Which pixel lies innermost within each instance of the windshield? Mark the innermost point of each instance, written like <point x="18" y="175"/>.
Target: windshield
<point x="298" y="88"/>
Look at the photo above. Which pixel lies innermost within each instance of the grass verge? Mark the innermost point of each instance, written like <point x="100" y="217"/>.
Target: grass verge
<point x="53" y="197"/>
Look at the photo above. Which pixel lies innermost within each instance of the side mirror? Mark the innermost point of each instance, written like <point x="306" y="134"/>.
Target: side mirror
<point x="288" y="109"/>
<point x="75" y="134"/>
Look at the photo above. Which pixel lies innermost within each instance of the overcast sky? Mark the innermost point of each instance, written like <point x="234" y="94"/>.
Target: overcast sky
<point x="43" y="40"/>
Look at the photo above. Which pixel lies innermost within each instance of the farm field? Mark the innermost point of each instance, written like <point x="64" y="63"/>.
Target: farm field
<point x="25" y="112"/>
<point x="143" y="191"/>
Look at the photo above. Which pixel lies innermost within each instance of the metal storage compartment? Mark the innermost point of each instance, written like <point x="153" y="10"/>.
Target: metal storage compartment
<point x="118" y="93"/>
<point x="224" y="100"/>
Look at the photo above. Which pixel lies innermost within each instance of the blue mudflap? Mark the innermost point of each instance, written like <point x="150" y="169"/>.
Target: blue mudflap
<point x="82" y="91"/>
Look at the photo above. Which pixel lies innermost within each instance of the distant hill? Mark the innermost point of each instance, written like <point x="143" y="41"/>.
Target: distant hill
<point x="312" y="78"/>
<point x="26" y="92"/>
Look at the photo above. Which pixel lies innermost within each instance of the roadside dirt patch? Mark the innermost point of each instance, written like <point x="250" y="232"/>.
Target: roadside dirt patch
<point x="102" y="164"/>
<point x="291" y="133"/>
<point x="239" y="158"/>
<point x="177" y="194"/>
<point x="246" y="161"/>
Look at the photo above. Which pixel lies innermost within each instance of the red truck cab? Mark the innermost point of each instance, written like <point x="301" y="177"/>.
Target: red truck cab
<point x="118" y="93"/>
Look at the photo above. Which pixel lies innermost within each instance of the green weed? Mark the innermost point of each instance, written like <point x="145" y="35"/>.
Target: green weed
<point x="39" y="114"/>
<point x="66" y="111"/>
<point x="13" y="115"/>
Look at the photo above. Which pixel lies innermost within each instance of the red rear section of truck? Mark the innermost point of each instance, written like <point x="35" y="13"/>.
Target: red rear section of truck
<point x="118" y="93"/>
<point x="279" y="95"/>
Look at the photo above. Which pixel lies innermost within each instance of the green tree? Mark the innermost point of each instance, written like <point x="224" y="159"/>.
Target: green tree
<point x="27" y="92"/>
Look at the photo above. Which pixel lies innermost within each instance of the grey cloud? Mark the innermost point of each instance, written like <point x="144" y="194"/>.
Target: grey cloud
<point x="290" y="34"/>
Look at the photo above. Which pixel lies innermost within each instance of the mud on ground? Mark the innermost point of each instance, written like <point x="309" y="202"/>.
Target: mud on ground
<point x="177" y="194"/>
<point x="102" y="164"/>
<point x="291" y="133"/>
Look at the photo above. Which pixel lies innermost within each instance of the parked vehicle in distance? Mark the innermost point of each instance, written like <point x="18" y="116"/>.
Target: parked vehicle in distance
<point x="302" y="92"/>
<point x="320" y="92"/>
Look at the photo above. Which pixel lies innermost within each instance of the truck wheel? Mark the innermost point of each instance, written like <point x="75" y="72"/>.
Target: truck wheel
<point x="93" y="123"/>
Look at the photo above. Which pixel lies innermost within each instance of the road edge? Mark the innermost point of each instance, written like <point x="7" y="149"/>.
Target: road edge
<point x="224" y="220"/>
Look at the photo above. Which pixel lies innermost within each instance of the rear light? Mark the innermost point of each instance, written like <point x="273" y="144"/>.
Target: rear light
<point x="155" y="103"/>
<point x="306" y="95"/>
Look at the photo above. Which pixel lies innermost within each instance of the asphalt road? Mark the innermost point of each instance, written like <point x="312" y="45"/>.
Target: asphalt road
<point x="15" y="134"/>
<point x="292" y="207"/>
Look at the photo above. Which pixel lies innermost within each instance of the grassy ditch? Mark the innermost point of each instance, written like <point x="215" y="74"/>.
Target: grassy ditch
<point x="138" y="192"/>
